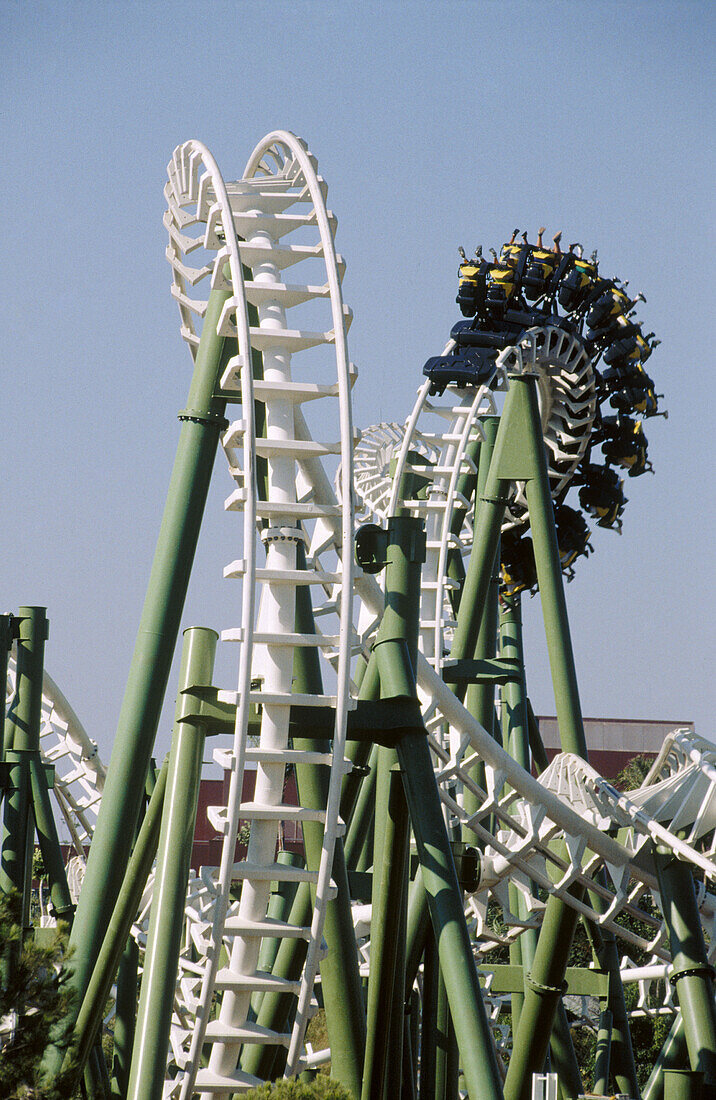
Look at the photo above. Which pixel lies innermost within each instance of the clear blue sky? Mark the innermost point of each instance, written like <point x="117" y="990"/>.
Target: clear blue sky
<point x="435" y="124"/>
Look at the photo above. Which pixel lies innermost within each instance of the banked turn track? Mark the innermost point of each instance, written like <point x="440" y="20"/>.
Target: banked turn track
<point x="271" y="222"/>
<point x="269" y="238"/>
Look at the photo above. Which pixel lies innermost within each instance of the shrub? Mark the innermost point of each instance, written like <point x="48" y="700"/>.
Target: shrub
<point x="322" y="1088"/>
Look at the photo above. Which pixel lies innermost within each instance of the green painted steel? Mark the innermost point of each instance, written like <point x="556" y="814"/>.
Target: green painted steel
<point x="7" y="625"/>
<point x="429" y="1022"/>
<point x="156" y="998"/>
<point x="480" y="697"/>
<point x="691" y="973"/>
<point x="382" y="1068"/>
<point x="683" y="1084"/>
<point x="49" y="841"/>
<point x="602" y="1054"/>
<point x="340" y="978"/>
<point x="125" y="1019"/>
<point x="606" y="953"/>
<point x="120" y="922"/>
<point x="154" y="647"/>
<point x="22" y="743"/>
<point x="396" y="654"/>
<point x="563" y="1059"/>
<point x="544" y="987"/>
<point x="673" y="1055"/>
<point x="17" y="830"/>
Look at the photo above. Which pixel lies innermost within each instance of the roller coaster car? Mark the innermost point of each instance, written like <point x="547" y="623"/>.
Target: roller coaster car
<point x="625" y="445"/>
<point x="629" y="347"/>
<point x="572" y="536"/>
<point x="464" y="366"/>
<point x="613" y="302"/>
<point x="602" y="495"/>
<point x="637" y="394"/>
<point x="518" y="571"/>
<point x="574" y="285"/>
<point x="540" y="268"/>
<point x="471" y="286"/>
<point x="501" y="287"/>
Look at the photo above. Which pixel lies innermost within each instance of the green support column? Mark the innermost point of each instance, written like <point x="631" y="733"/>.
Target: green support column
<point x="683" y="1084"/>
<point x="602" y="1054"/>
<point x="480" y="698"/>
<point x="691" y="973"/>
<point x="429" y="1022"/>
<point x="156" y="999"/>
<point x="563" y="1060"/>
<point x="606" y="952"/>
<point x="383" y="1046"/>
<point x="395" y="652"/>
<point x="120" y="923"/>
<point x="17" y="831"/>
<point x="49" y="841"/>
<point x="673" y="1055"/>
<point x="522" y="458"/>
<point x="7" y="629"/>
<point x="201" y="424"/>
<point x="125" y="1019"/>
<point x="22" y="741"/>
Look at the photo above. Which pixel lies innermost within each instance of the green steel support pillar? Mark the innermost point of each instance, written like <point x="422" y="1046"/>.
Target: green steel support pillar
<point x="543" y="992"/>
<point x="395" y="651"/>
<point x="602" y="1054"/>
<point x="429" y="1023"/>
<point x="120" y="923"/>
<point x="156" y="999"/>
<point x="683" y="1084"/>
<point x="673" y="1055"/>
<point x="606" y="952"/>
<point x="125" y="1019"/>
<point x="522" y="458"/>
<point x="691" y="973"/>
<point x="386" y="985"/>
<point x="7" y="631"/>
<point x="480" y="698"/>
<point x="563" y="1060"/>
<point x="49" y="841"/>
<point x="201" y="424"/>
<point x="22" y="742"/>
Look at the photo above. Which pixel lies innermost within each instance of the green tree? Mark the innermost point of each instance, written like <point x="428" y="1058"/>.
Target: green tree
<point x="33" y="999"/>
<point x="322" y="1088"/>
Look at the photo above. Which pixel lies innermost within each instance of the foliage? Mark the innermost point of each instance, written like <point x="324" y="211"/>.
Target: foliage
<point x="322" y="1088"/>
<point x="34" y="999"/>
<point x="317" y="1036"/>
<point x="633" y="773"/>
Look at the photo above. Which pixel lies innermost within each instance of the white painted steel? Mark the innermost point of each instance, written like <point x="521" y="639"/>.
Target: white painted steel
<point x="79" y="771"/>
<point x="280" y="198"/>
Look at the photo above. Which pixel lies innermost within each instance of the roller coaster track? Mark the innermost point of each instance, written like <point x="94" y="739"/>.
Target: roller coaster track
<point x="79" y="772"/>
<point x="272" y="219"/>
<point x="554" y="832"/>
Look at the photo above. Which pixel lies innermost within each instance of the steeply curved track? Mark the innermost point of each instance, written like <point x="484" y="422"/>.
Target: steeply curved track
<point x="79" y="771"/>
<point x="272" y="220"/>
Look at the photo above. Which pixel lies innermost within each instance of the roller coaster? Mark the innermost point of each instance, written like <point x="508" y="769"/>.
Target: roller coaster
<point x="445" y="865"/>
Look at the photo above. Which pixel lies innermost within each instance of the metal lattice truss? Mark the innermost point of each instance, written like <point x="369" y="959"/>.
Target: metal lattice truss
<point x="553" y="833"/>
<point x="79" y="772"/>
<point x="272" y="220"/>
<point x="298" y="468"/>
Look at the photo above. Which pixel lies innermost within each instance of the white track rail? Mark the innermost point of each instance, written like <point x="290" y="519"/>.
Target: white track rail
<point x="79" y="771"/>
<point x="271" y="220"/>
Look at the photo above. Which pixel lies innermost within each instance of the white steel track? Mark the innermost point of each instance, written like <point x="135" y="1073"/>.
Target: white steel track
<point x="271" y="220"/>
<point x="79" y="772"/>
<point x="553" y="832"/>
